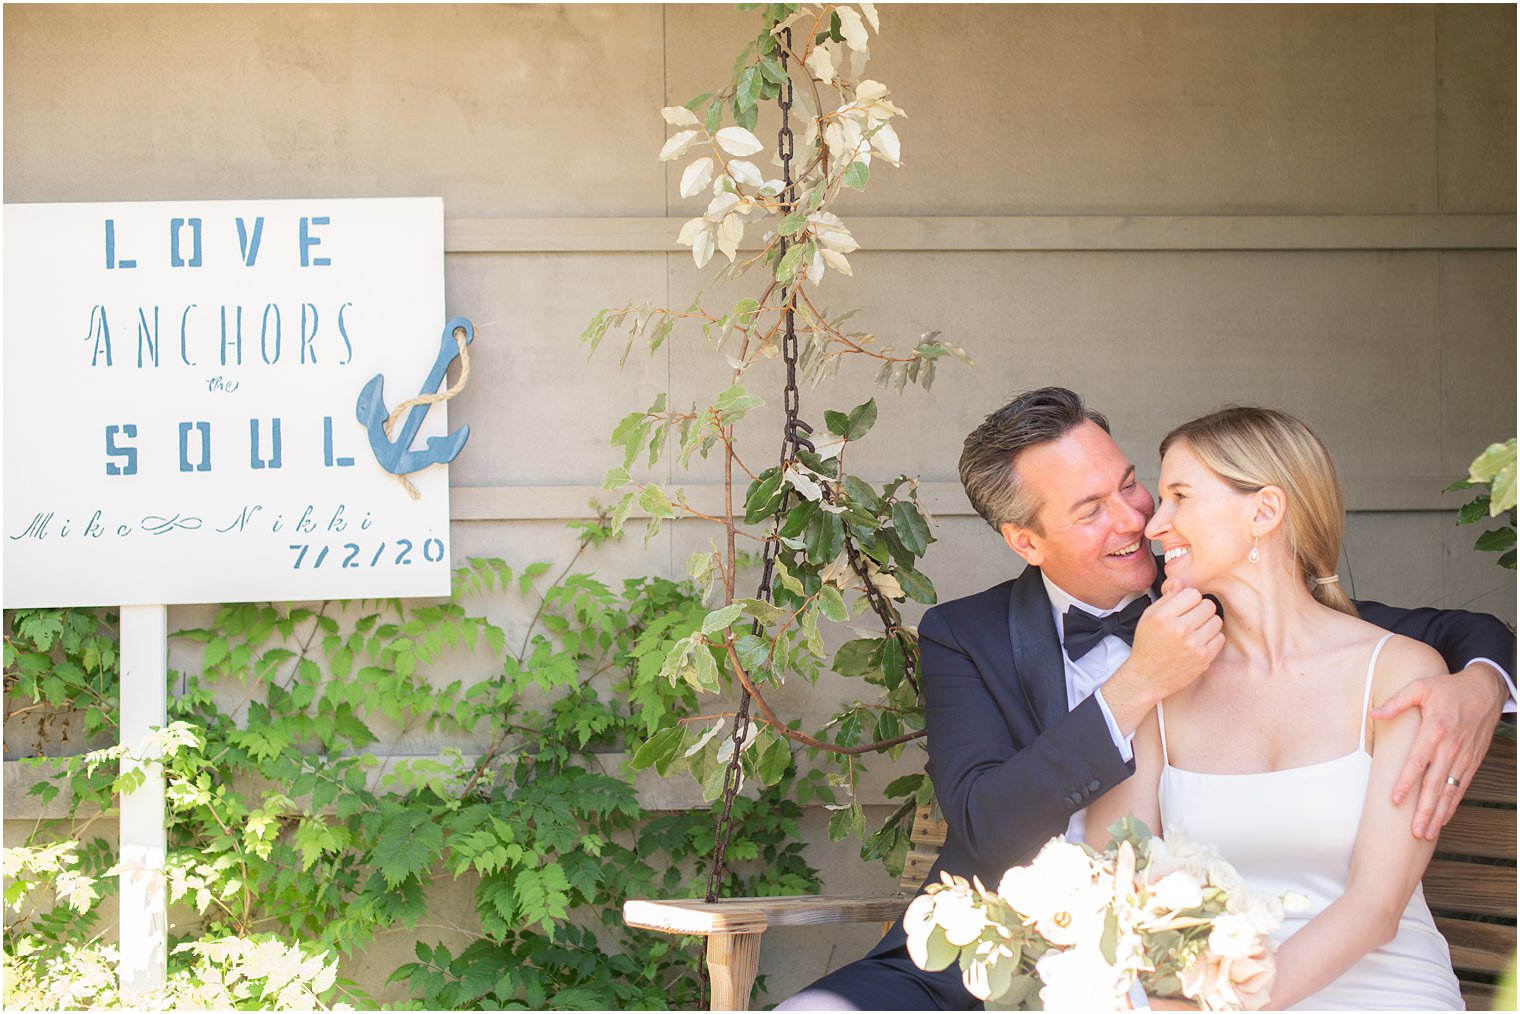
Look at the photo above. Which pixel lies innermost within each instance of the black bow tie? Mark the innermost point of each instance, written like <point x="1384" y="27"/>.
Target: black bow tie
<point x="1084" y="630"/>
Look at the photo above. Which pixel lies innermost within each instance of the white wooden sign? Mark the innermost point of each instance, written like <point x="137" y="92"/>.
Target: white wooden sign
<point x="183" y="418"/>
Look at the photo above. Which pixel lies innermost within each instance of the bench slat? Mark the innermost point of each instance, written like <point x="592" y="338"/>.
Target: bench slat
<point x="1480" y="831"/>
<point x="1477" y="995"/>
<point x="1495" y="780"/>
<point x="755" y="915"/>
<point x="1478" y="946"/>
<point x="1470" y="888"/>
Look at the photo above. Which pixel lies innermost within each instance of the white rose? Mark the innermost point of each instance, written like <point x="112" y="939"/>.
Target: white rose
<point x="1234" y="936"/>
<point x="1223" y="876"/>
<point x="1079" y="979"/>
<point x="1263" y="912"/>
<point x="1177" y="890"/>
<point x="1177" y="852"/>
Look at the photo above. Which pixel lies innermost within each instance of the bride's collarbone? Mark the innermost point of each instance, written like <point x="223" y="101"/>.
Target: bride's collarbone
<point x="1246" y="724"/>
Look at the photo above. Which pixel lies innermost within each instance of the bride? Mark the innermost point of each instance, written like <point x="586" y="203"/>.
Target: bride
<point x="1271" y="756"/>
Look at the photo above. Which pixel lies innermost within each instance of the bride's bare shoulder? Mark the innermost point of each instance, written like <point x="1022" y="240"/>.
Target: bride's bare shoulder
<point x="1402" y="659"/>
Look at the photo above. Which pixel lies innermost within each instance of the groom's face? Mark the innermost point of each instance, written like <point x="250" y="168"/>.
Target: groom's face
<point x="1089" y="536"/>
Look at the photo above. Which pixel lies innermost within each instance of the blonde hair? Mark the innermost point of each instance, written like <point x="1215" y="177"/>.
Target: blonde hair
<point x="1250" y="448"/>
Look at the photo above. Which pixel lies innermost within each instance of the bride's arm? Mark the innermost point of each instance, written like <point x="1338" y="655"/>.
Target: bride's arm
<point x="1135" y="796"/>
<point x="1387" y="862"/>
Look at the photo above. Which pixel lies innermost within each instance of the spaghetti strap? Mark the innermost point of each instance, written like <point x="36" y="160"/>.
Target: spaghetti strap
<point x="1161" y="721"/>
<point x="1361" y="743"/>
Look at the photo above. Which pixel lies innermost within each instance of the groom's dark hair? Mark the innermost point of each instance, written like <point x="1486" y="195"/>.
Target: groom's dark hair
<point x="990" y="454"/>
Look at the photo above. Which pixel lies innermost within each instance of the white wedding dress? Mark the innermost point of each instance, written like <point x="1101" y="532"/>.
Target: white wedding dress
<point x="1294" y="830"/>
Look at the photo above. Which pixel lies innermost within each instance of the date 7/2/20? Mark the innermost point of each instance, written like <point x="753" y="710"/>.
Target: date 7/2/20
<point x="351" y="554"/>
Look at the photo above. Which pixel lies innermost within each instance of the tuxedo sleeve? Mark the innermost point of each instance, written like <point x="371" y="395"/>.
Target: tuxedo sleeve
<point x="1460" y="636"/>
<point x="1004" y="796"/>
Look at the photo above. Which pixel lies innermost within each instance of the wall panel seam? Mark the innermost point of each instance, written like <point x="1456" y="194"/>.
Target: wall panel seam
<point x="1022" y="233"/>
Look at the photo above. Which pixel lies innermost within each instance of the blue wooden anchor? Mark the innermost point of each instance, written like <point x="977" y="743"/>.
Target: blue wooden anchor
<point x="396" y="456"/>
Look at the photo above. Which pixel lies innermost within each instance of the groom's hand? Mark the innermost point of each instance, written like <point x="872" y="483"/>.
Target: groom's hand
<point x="1458" y="714"/>
<point x="1176" y="640"/>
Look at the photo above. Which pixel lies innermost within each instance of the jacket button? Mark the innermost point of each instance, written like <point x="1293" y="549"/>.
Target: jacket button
<point x="1070" y="803"/>
<point x="1094" y="785"/>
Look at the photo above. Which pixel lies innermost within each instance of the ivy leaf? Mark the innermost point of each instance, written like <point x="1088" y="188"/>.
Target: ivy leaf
<point x="910" y="527"/>
<point x="787" y="266"/>
<point x="1496" y="541"/>
<point x="903" y="785"/>
<point x="655" y="502"/>
<point x="858" y="657"/>
<point x="771" y="68"/>
<point x="746" y="93"/>
<point x="660" y="749"/>
<point x="721" y="619"/>
<point x="856" y="175"/>
<point x="734" y="403"/>
<point x="918" y="587"/>
<point x="1477" y="510"/>
<point x="859" y="491"/>
<point x="862" y="418"/>
<point x="832" y="604"/>
<point x="893" y="664"/>
<point x="760" y="499"/>
<point x="775" y="758"/>
<point x="791" y="224"/>
<point x="811" y="637"/>
<point x="619" y="515"/>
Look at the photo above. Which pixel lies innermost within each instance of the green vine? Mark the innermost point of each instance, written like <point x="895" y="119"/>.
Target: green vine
<point x="843" y="546"/>
<point x="289" y="828"/>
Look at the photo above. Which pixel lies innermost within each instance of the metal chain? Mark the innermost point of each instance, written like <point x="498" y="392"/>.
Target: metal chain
<point x="792" y="439"/>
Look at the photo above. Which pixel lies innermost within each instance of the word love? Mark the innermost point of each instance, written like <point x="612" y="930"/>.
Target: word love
<point x="185" y="248"/>
<point x="265" y="446"/>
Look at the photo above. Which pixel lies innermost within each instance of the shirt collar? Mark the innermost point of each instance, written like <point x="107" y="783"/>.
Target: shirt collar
<point x="1060" y="601"/>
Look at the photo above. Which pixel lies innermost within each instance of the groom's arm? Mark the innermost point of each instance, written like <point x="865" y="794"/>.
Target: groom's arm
<point x="1457" y="712"/>
<point x="1003" y="799"/>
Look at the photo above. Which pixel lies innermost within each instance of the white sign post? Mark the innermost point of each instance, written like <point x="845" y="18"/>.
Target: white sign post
<point x="195" y="399"/>
<point x="143" y="902"/>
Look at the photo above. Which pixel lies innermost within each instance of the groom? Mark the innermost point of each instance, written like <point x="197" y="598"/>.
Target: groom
<point x="1033" y="691"/>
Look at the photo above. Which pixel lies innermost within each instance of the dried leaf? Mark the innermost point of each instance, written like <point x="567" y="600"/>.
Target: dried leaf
<point x="697" y="176"/>
<point x="680" y="116"/>
<point x="738" y="141"/>
<point x="678" y="144"/>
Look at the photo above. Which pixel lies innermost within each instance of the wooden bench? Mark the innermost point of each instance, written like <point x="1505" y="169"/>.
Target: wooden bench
<point x="1470" y="887"/>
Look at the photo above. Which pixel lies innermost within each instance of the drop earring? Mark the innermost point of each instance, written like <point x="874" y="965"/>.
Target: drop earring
<point x="1255" y="556"/>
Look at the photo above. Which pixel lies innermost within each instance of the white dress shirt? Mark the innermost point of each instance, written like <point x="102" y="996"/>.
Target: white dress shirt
<point x="1085" y="677"/>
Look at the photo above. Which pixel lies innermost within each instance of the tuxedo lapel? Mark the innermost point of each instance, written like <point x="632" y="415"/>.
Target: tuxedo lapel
<point x="1037" y="661"/>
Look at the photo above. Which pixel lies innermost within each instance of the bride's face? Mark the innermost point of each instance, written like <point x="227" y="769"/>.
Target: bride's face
<point x="1203" y="525"/>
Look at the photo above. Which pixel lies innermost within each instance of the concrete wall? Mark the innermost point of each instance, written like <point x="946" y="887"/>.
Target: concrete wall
<point x="1167" y="209"/>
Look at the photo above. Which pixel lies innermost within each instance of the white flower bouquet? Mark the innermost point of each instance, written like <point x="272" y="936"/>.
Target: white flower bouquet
<point x="1077" y="928"/>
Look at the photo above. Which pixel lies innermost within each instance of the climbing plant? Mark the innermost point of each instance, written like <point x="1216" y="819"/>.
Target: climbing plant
<point x="297" y="841"/>
<point x="1493" y="474"/>
<point x="830" y="545"/>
